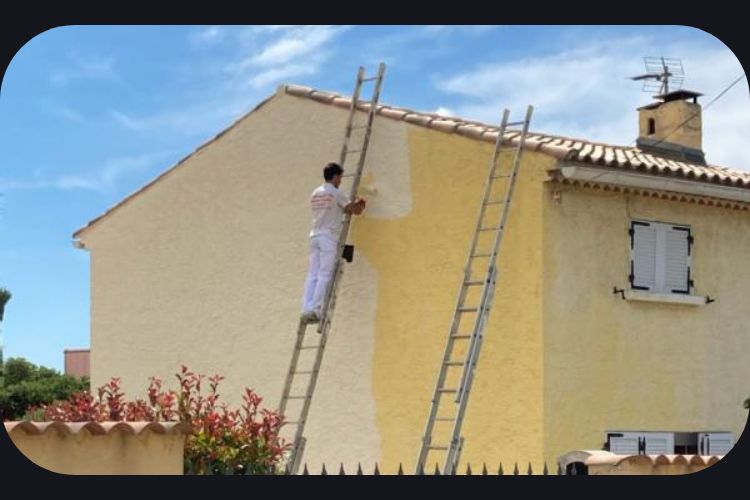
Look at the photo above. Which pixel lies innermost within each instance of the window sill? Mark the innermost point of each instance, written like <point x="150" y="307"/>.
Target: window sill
<point x="670" y="298"/>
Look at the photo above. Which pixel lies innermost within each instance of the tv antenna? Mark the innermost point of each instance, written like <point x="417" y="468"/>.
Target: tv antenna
<point x="663" y="75"/>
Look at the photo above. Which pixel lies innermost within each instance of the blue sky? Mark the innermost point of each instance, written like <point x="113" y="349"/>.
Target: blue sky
<point x="89" y="114"/>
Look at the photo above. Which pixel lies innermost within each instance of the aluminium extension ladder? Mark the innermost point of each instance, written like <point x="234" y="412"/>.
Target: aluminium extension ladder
<point x="309" y="375"/>
<point x="446" y="412"/>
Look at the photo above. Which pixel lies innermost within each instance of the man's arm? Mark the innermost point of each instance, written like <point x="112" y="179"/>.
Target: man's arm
<point x="356" y="207"/>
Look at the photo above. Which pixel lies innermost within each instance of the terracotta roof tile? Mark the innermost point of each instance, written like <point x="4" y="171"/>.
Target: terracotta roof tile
<point x="561" y="147"/>
<point x="570" y="149"/>
<point x="613" y="459"/>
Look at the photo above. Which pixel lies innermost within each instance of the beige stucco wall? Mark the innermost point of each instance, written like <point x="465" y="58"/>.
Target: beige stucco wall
<point x="678" y="122"/>
<point x="206" y="268"/>
<point x="117" y="452"/>
<point x="611" y="364"/>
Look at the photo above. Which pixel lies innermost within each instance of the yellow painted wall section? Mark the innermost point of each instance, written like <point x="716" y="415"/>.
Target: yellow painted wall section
<point x="419" y="261"/>
<point x="612" y="364"/>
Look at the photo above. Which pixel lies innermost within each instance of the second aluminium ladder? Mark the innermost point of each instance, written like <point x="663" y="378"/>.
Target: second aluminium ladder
<point x="307" y="376"/>
<point x="452" y="389"/>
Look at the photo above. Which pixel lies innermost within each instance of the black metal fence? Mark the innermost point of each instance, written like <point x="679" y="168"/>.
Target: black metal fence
<point x="468" y="471"/>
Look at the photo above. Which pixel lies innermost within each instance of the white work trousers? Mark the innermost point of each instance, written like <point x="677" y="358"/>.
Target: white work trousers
<point x="323" y="250"/>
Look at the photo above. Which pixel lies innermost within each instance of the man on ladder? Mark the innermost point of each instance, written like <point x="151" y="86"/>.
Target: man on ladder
<point x="328" y="206"/>
<point x="332" y="214"/>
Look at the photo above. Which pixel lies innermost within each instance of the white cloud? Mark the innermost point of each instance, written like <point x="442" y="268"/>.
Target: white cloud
<point x="89" y="67"/>
<point x="261" y="58"/>
<point x="102" y="178"/>
<point x="208" y="36"/>
<point x="67" y="113"/>
<point x="584" y="92"/>
<point x="415" y="46"/>
<point x="445" y="111"/>
<point x="293" y="44"/>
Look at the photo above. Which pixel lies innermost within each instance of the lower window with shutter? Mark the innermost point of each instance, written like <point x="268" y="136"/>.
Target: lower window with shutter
<point x="660" y="257"/>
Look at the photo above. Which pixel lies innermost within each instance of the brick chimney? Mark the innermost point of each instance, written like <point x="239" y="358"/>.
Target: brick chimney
<point x="672" y="127"/>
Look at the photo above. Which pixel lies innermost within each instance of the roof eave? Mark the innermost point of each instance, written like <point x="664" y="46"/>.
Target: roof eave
<point x="587" y="173"/>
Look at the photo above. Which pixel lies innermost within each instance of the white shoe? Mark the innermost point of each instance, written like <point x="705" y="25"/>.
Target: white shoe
<point x="310" y="317"/>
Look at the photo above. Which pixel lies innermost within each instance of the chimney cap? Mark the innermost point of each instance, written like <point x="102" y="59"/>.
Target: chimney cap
<point x="679" y="95"/>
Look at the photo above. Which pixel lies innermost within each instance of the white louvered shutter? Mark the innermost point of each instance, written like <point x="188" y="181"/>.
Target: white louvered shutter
<point x="717" y="443"/>
<point x="659" y="443"/>
<point x="676" y="262"/>
<point x="643" y="257"/>
<point x="660" y="257"/>
<point x="627" y="444"/>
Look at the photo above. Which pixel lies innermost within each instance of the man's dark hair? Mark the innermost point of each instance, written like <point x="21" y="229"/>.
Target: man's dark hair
<point x="331" y="170"/>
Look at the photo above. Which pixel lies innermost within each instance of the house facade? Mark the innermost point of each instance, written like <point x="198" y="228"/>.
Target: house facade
<point x="621" y="306"/>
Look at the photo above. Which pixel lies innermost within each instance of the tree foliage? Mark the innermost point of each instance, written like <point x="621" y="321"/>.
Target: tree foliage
<point x="27" y="385"/>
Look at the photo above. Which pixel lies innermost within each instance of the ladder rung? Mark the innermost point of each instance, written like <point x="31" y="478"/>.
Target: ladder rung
<point x="494" y="202"/>
<point x="467" y="309"/>
<point x="489" y="228"/>
<point x="370" y="79"/>
<point x="474" y="282"/>
<point x="482" y="255"/>
<point x="305" y="372"/>
<point x="500" y="176"/>
<point x="358" y="127"/>
<point x="437" y="447"/>
<point x="350" y="151"/>
<point x="309" y="347"/>
<point x="445" y="419"/>
<point x="296" y="397"/>
<point x="460" y="336"/>
<point x="448" y="390"/>
<point x="453" y="363"/>
<point x="514" y="124"/>
<point x="349" y="175"/>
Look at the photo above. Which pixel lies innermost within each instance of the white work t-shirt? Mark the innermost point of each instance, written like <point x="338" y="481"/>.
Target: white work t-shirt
<point x="327" y="204"/>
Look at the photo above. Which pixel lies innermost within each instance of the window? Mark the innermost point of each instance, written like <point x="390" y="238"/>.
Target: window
<point x="684" y="443"/>
<point x="660" y="257"/>
<point x="651" y="126"/>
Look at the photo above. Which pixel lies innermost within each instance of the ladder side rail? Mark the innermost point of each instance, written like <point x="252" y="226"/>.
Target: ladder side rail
<point x="435" y="403"/>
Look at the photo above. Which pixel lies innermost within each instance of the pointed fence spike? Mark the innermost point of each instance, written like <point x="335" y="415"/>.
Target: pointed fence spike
<point x="400" y="469"/>
<point x="468" y="469"/>
<point x="359" y="469"/>
<point x="437" y="470"/>
<point x="515" y="469"/>
<point x="341" y="470"/>
<point x="545" y="471"/>
<point x="377" y="471"/>
<point x="305" y="472"/>
<point x="529" y="472"/>
<point x="324" y="472"/>
<point x="500" y="470"/>
<point x="484" y="469"/>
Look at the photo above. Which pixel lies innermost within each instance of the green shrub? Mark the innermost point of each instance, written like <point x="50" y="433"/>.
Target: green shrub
<point x="27" y="385"/>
